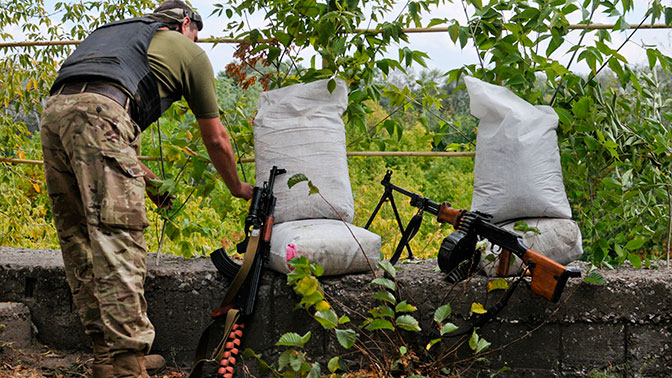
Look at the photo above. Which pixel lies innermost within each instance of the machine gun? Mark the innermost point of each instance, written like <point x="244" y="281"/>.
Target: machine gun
<point x="458" y="257"/>
<point x="238" y="303"/>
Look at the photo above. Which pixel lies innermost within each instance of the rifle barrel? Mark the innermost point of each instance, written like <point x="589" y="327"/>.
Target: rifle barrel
<point x="417" y="200"/>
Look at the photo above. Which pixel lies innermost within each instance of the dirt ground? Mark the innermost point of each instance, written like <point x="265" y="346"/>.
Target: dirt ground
<point x="42" y="362"/>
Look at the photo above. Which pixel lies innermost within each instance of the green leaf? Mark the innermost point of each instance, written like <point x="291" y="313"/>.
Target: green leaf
<point x="283" y="38"/>
<point x="404" y="307"/>
<point x="384" y="66"/>
<point x="595" y="278"/>
<point x="381" y="312"/>
<point x="453" y="32"/>
<point x="293" y="339"/>
<point x="297" y="361"/>
<point x="524" y="227"/>
<point x="635" y="243"/>
<point x="313" y="298"/>
<point x="327" y="318"/>
<point x="334" y="364"/>
<point x="635" y="260"/>
<point x="498" y="284"/>
<point x="284" y="358"/>
<point x="432" y="343"/>
<point x="386" y="296"/>
<point x="346" y="337"/>
<point x="314" y="371"/>
<point x="313" y="189"/>
<point x="478" y="308"/>
<point x="387" y="266"/>
<point x="331" y="85"/>
<point x="273" y="53"/>
<point x="448" y="328"/>
<point x="376" y="324"/>
<point x="442" y="313"/>
<point x="591" y="143"/>
<point x="564" y="116"/>
<point x="307" y="285"/>
<point x="384" y="282"/>
<point x="478" y="344"/>
<point x="297" y="178"/>
<point x="652" y="57"/>
<point x="582" y="107"/>
<point x="408" y="323"/>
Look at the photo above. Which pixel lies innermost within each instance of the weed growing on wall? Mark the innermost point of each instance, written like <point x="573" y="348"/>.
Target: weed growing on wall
<point x="376" y="343"/>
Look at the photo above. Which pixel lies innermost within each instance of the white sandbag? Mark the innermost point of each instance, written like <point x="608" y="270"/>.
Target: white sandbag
<point x="517" y="171"/>
<point x="326" y="242"/>
<point x="299" y="128"/>
<point x="559" y="239"/>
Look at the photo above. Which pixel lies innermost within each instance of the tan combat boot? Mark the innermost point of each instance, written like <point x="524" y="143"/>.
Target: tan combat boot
<point x="102" y="363"/>
<point x="129" y="365"/>
<point x="154" y="363"/>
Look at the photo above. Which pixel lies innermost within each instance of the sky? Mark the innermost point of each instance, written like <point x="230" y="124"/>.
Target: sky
<point x="444" y="54"/>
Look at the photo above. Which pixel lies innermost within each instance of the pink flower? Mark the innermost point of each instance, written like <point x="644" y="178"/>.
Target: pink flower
<point x="291" y="253"/>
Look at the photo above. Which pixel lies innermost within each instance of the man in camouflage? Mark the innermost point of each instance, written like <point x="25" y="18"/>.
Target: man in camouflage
<point x="90" y="130"/>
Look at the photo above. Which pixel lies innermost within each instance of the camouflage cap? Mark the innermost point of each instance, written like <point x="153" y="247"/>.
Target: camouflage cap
<point x="176" y="15"/>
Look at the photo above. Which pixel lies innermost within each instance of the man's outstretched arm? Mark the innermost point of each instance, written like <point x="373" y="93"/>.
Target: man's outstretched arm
<point x="218" y="145"/>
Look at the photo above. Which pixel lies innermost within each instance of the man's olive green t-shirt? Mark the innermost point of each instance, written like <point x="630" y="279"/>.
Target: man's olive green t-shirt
<point x="183" y="68"/>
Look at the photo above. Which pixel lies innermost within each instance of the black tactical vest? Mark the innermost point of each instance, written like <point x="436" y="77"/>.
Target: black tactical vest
<point x="117" y="52"/>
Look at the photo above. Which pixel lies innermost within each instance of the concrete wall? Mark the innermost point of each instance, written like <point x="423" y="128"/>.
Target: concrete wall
<point x="624" y="326"/>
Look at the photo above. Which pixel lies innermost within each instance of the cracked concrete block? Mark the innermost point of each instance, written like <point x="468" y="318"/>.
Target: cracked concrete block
<point x="650" y="350"/>
<point x="526" y="346"/>
<point x="593" y="345"/>
<point x="16" y="328"/>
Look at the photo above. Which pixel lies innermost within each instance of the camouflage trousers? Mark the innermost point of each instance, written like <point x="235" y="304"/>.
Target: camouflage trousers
<point x="96" y="189"/>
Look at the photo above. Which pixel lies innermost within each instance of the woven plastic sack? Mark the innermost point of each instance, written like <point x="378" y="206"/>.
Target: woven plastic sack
<point x="326" y="242"/>
<point x="517" y="171"/>
<point x="558" y="239"/>
<point x="299" y="128"/>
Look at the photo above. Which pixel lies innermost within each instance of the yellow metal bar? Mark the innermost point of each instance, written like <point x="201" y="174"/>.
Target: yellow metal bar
<point x="250" y="160"/>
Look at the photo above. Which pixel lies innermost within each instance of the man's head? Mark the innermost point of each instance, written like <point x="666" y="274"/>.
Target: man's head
<point x="178" y="15"/>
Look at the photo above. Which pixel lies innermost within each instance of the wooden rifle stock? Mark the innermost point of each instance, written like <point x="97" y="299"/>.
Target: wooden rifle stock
<point x="548" y="277"/>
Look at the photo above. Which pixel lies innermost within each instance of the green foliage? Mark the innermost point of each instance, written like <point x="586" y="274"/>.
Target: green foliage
<point x="330" y="29"/>
<point x="378" y="336"/>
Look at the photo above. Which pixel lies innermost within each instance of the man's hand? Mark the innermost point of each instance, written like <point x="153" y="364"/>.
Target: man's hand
<point x="245" y="191"/>
<point x="152" y="185"/>
<point x="161" y="200"/>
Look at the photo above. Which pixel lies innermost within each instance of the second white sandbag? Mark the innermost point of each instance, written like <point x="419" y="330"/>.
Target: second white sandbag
<point x="558" y="239"/>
